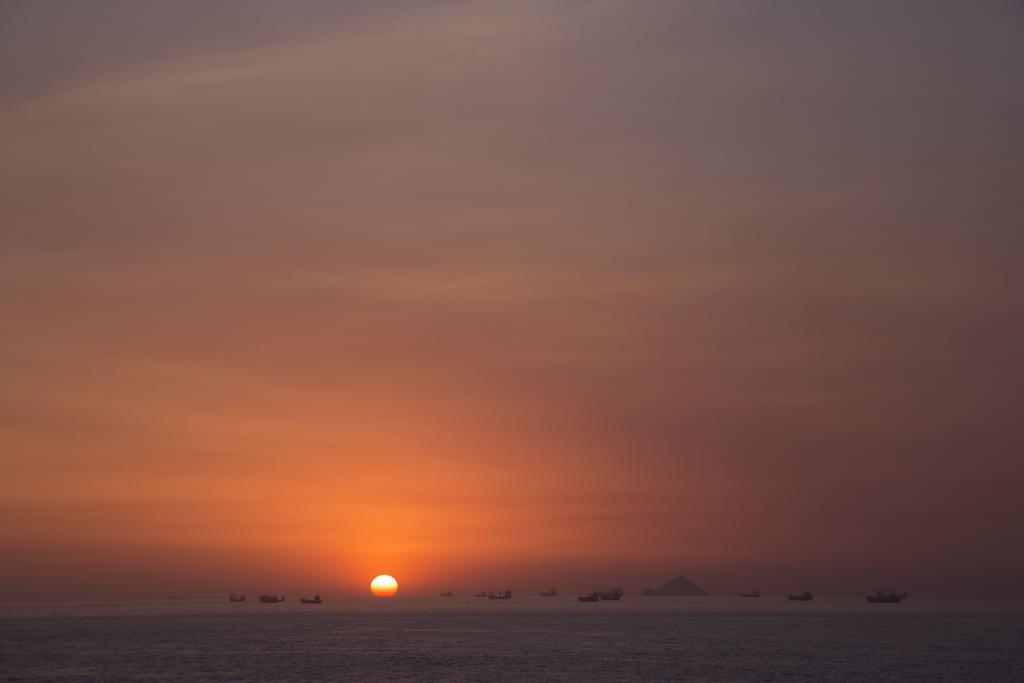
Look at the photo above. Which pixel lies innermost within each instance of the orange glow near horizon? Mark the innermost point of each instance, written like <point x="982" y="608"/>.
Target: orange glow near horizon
<point x="645" y="321"/>
<point x="384" y="586"/>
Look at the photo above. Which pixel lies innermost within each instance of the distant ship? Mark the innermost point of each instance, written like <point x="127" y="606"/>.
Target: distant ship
<point x="553" y="593"/>
<point x="447" y="594"/>
<point x="806" y="596"/>
<point x="890" y="596"/>
<point x="755" y="594"/>
<point x="236" y="598"/>
<point x="610" y="594"/>
<point x="315" y="600"/>
<point x="481" y="594"/>
<point x="500" y="595"/>
<point x="593" y="597"/>
<point x="271" y="598"/>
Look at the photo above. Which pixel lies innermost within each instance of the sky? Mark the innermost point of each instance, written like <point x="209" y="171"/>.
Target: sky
<point x="510" y="294"/>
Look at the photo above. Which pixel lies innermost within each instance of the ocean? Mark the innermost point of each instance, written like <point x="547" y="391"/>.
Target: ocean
<point x="471" y="639"/>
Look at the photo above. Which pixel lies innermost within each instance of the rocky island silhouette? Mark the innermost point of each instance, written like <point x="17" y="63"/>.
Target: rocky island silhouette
<point x="677" y="586"/>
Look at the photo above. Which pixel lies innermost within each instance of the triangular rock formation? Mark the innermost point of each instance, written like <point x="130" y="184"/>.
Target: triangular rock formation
<point x="677" y="586"/>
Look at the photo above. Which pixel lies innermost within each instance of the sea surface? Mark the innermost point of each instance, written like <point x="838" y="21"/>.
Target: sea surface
<point x="471" y="639"/>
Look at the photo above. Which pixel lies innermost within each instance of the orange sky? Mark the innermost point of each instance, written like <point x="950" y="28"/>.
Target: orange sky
<point x="509" y="294"/>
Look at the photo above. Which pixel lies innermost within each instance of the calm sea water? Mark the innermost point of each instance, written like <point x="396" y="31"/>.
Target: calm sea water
<point x="459" y="639"/>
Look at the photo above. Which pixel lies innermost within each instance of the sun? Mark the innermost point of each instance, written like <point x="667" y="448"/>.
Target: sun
<point x="384" y="586"/>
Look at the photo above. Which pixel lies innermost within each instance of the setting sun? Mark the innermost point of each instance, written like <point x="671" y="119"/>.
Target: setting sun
<point x="384" y="586"/>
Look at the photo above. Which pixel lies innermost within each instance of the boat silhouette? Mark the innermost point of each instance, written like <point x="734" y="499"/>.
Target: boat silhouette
<point x="886" y="596"/>
<point x="755" y="594"/>
<point x="500" y="595"/>
<point x="806" y="596"/>
<point x="315" y="600"/>
<point x="610" y="594"/>
<point x="553" y="593"/>
<point x="593" y="597"/>
<point x="271" y="598"/>
<point x="236" y="598"/>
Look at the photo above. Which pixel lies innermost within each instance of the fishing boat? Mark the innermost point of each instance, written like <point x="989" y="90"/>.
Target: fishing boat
<point x="886" y="596"/>
<point x="500" y="595"/>
<point x="593" y="597"/>
<point x="271" y="598"/>
<point x="553" y="593"/>
<point x="755" y="594"/>
<point x="610" y="594"/>
<point x="806" y="596"/>
<point x="315" y="600"/>
<point x="236" y="598"/>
